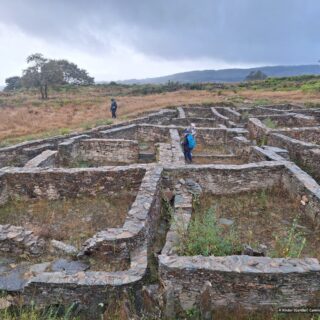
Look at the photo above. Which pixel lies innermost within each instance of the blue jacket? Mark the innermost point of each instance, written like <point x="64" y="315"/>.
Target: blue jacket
<point x="113" y="106"/>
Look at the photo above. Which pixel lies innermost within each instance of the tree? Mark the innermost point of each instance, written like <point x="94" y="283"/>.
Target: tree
<point x="48" y="72"/>
<point x="13" y="83"/>
<point x="73" y="75"/>
<point x="256" y="75"/>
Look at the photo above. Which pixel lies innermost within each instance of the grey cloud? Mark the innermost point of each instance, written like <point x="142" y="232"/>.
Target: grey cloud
<point x="247" y="31"/>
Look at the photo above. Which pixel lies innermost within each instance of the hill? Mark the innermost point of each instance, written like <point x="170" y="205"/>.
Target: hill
<point x="229" y="75"/>
<point x="24" y="115"/>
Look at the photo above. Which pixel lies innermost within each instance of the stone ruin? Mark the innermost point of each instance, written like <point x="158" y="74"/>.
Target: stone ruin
<point x="134" y="263"/>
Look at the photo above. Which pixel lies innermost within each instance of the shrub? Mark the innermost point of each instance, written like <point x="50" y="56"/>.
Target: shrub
<point x="311" y="87"/>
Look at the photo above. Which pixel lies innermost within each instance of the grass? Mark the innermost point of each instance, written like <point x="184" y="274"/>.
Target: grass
<point x="43" y="135"/>
<point x="206" y="237"/>
<point x="32" y="313"/>
<point x="23" y="116"/>
<point x="268" y="217"/>
<point x="261" y="102"/>
<point x="270" y="123"/>
<point x="71" y="220"/>
<point x="291" y="245"/>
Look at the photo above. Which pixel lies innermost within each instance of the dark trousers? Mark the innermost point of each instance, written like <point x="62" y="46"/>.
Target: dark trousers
<point x="114" y="113"/>
<point x="187" y="154"/>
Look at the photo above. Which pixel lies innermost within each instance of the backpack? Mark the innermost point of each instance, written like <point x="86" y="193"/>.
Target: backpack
<point x="191" y="141"/>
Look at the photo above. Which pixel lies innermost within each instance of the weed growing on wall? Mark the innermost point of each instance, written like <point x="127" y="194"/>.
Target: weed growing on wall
<point x="270" y="123"/>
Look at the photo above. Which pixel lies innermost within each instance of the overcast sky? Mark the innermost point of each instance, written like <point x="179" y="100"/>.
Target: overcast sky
<point x="122" y="39"/>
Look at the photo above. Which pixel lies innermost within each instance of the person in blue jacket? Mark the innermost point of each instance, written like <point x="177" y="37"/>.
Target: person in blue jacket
<point x="188" y="143"/>
<point x="113" y="108"/>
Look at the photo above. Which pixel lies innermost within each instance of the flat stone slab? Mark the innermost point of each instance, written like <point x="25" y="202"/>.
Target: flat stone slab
<point x="12" y="278"/>
<point x="67" y="266"/>
<point x="226" y="222"/>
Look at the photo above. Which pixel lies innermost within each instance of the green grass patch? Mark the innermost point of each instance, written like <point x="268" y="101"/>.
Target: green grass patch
<point x="269" y="123"/>
<point x="204" y="236"/>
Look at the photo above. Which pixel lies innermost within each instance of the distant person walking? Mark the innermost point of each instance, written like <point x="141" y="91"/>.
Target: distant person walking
<point x="188" y="143"/>
<point x="113" y="108"/>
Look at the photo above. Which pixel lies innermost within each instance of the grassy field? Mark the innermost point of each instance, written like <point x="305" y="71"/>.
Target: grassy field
<point x="24" y="116"/>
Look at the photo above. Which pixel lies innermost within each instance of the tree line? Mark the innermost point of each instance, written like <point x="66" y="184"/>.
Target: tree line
<point x="43" y="72"/>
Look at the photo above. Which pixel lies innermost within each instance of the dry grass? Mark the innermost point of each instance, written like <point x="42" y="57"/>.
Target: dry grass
<point x="24" y="116"/>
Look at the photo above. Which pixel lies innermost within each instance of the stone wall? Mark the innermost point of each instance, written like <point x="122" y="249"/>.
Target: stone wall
<point x="177" y="153"/>
<point x="299" y="183"/>
<point x="215" y="136"/>
<point x="306" y="155"/>
<point x="308" y="134"/>
<point x="251" y="283"/>
<point x="284" y="106"/>
<point x="91" y="291"/>
<point x="258" y="111"/>
<point x="230" y="113"/>
<point x="18" y="240"/>
<point x="20" y="154"/>
<point x="227" y="179"/>
<point x="181" y="112"/>
<point x="146" y="133"/>
<point x="257" y="130"/>
<point x="198" y="112"/>
<point x="139" y="223"/>
<point x="103" y="151"/>
<point x="57" y="183"/>
<point x="290" y="120"/>
<point x="47" y="158"/>
<point x="200" y="282"/>
<point x="199" y="122"/>
<point x="99" y="152"/>
<point x="91" y="288"/>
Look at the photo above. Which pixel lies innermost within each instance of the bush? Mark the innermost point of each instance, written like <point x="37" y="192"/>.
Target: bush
<point x="311" y="87"/>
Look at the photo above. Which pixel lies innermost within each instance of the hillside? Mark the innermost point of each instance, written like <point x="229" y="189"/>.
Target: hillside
<point x="229" y="75"/>
<point x="24" y="116"/>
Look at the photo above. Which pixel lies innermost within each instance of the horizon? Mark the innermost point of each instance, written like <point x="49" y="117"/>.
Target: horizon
<point x="2" y="86"/>
<point x="117" y="41"/>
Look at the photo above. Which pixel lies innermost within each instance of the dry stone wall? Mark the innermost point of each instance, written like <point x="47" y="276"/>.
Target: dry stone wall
<point x="254" y="283"/>
<point x="142" y="248"/>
